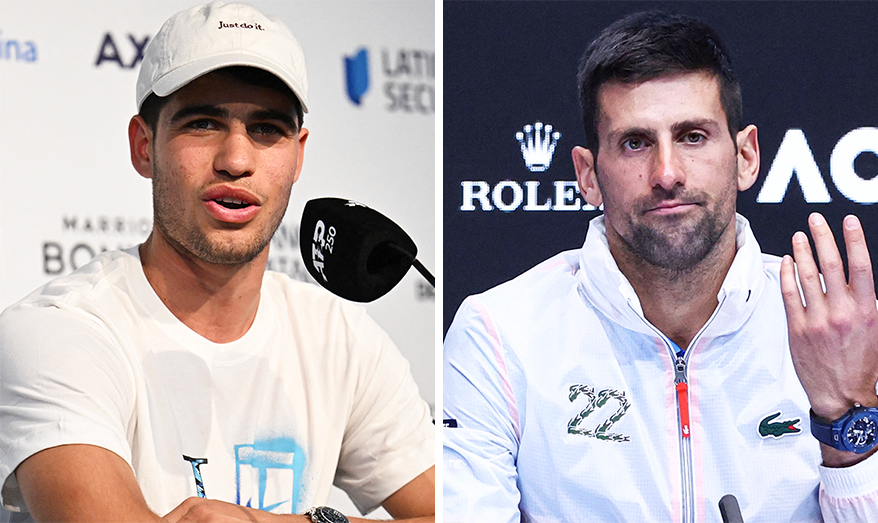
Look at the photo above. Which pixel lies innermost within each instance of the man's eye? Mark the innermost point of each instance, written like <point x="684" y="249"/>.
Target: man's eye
<point x="200" y="124"/>
<point x="694" y="137"/>
<point x="265" y="128"/>
<point x="633" y="144"/>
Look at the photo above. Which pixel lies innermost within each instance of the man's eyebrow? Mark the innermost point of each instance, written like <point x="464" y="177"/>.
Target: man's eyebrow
<point x="199" y="110"/>
<point x="630" y="131"/>
<point x="272" y="114"/>
<point x="219" y="112"/>
<point x="703" y="123"/>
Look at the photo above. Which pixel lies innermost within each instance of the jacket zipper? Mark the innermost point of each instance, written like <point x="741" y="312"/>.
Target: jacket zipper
<point x="685" y="441"/>
<point x="681" y="384"/>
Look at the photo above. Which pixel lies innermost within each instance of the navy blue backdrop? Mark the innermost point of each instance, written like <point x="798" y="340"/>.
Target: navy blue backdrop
<point x="809" y="74"/>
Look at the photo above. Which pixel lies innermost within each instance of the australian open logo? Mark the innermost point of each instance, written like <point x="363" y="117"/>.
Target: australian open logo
<point x="537" y="145"/>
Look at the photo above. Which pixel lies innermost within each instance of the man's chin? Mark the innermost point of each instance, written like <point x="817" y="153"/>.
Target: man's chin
<point x="229" y="255"/>
<point x="678" y="249"/>
<point x="230" y="248"/>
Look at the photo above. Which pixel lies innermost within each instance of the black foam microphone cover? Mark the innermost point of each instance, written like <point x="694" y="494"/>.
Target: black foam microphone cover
<point x="353" y="251"/>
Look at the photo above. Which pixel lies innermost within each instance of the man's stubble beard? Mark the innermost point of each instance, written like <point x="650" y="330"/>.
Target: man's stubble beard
<point x="679" y="247"/>
<point x="188" y="237"/>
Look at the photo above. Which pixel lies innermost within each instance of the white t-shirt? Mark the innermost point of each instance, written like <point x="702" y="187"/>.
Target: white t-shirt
<point x="315" y="393"/>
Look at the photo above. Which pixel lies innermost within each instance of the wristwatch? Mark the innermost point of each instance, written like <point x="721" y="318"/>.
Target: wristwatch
<point x="326" y="515"/>
<point x="856" y="431"/>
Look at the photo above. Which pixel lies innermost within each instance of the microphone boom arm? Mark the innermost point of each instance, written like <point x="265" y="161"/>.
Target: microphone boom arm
<point x="415" y="263"/>
<point x="424" y="272"/>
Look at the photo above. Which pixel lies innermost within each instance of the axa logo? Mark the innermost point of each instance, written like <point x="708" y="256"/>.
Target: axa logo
<point x="131" y="53"/>
<point x="537" y="145"/>
<point x="776" y="429"/>
<point x="15" y="50"/>
<point x="356" y="69"/>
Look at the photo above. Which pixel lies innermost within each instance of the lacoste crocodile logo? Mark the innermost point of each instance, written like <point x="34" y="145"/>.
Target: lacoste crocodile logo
<point x="776" y="429"/>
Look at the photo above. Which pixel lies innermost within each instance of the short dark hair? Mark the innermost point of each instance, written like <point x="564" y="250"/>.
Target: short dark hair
<point x="153" y="104"/>
<point x="648" y="45"/>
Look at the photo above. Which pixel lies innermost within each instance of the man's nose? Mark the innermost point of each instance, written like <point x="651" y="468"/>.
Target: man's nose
<point x="667" y="169"/>
<point x="235" y="157"/>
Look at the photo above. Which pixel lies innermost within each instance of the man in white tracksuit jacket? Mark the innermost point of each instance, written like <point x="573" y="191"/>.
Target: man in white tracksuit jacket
<point x="668" y="362"/>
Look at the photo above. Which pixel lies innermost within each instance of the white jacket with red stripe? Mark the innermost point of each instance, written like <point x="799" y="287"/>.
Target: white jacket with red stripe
<point x="566" y="401"/>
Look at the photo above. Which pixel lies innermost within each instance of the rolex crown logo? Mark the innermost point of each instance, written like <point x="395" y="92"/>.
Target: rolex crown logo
<point x="537" y="145"/>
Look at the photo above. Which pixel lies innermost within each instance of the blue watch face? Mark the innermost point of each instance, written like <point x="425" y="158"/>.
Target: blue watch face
<point x="862" y="432"/>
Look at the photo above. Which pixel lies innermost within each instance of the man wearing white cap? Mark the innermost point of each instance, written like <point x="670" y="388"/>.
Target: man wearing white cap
<point x="180" y="381"/>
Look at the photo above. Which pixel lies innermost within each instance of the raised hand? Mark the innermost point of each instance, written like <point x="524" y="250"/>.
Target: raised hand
<point x="834" y="333"/>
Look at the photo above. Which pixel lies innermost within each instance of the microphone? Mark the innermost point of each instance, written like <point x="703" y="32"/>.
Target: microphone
<point x="729" y="509"/>
<point x="353" y="251"/>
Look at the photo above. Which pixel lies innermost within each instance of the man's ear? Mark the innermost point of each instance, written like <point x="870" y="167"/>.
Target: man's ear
<point x="303" y="135"/>
<point x="584" y="162"/>
<point x="748" y="157"/>
<point x="140" y="145"/>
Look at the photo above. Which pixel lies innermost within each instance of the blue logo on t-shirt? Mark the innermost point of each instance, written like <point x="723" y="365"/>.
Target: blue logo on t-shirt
<point x="275" y="463"/>
<point x="196" y="471"/>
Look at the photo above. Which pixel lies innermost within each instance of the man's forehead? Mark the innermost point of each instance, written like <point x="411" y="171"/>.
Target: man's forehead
<point x="659" y="101"/>
<point x="216" y="89"/>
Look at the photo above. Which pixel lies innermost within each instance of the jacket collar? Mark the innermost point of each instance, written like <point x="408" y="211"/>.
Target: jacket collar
<point x="607" y="289"/>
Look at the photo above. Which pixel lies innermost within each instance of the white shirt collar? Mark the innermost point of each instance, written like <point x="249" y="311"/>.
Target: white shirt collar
<point x="607" y="289"/>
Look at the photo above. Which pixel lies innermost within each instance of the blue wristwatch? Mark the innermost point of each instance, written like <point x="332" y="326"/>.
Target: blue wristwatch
<point x="856" y="431"/>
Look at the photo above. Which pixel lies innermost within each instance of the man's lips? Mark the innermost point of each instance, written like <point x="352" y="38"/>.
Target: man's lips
<point x="230" y="204"/>
<point x="669" y="207"/>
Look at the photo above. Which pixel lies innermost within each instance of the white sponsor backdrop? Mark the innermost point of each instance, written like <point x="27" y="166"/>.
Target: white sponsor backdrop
<point x="67" y="93"/>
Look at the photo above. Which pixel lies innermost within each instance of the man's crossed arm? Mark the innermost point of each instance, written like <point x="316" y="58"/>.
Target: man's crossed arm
<point x="79" y="483"/>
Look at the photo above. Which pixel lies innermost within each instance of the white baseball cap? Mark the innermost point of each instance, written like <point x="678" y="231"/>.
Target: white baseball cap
<point x="202" y="39"/>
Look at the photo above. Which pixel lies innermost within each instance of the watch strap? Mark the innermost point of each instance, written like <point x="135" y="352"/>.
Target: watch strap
<point x="822" y="429"/>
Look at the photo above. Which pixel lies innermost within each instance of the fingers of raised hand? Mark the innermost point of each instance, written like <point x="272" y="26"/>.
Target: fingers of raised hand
<point x="832" y="296"/>
<point x="809" y="274"/>
<point x="790" y="290"/>
<point x="833" y="334"/>
<point x="831" y="265"/>
<point x="862" y="284"/>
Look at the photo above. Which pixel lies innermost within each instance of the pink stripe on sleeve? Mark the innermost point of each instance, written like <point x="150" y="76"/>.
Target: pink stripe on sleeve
<point x="496" y="345"/>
